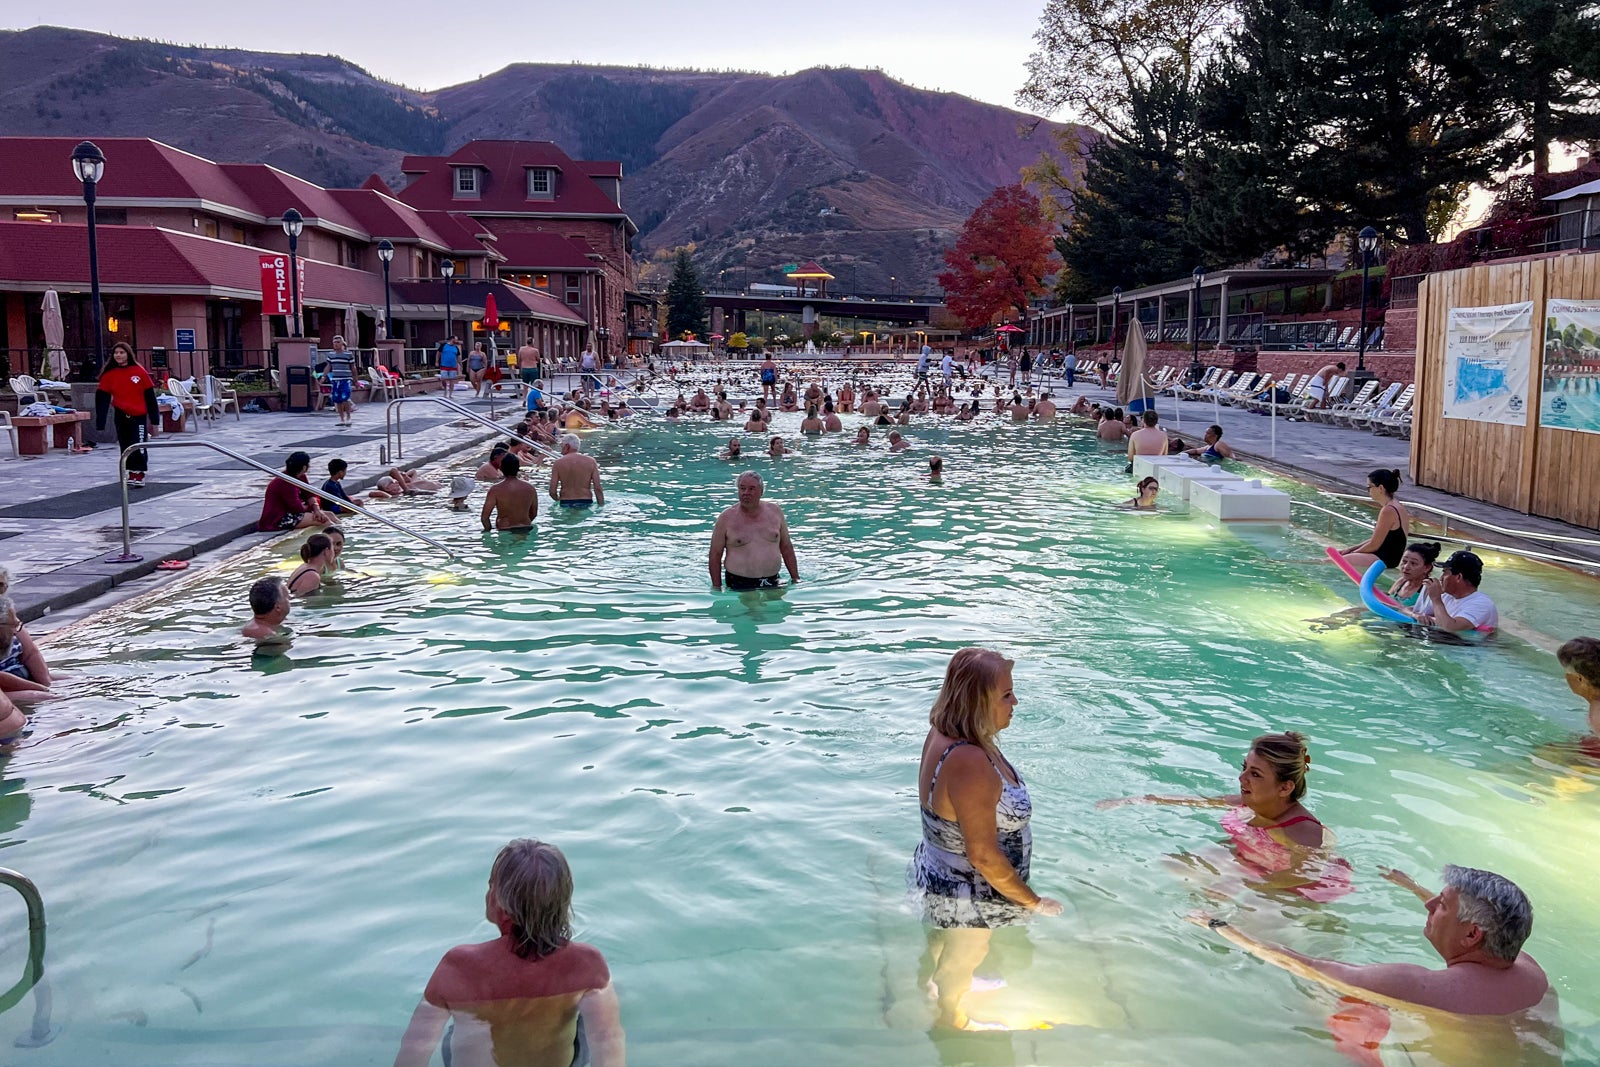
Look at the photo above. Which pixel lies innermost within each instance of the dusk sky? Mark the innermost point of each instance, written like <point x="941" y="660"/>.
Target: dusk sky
<point x="978" y="50"/>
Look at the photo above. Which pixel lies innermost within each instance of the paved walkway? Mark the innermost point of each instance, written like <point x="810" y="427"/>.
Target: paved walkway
<point x="61" y="514"/>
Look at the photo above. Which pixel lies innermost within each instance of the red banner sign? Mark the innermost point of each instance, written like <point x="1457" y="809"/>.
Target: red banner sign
<point x="275" y="289"/>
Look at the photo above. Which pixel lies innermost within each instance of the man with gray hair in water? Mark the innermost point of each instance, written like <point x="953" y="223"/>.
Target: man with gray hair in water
<point x="751" y="539"/>
<point x="575" y="478"/>
<point x="1477" y="923"/>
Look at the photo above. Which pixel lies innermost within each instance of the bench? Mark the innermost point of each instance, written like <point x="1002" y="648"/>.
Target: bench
<point x="31" y="430"/>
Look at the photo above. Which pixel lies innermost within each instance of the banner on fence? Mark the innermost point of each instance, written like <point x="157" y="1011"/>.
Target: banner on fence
<point x="1570" y="399"/>
<point x="1487" y="355"/>
<point x="275" y="289"/>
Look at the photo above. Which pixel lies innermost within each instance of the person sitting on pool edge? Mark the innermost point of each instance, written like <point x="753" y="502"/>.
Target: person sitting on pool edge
<point x="1276" y="840"/>
<point x="24" y="676"/>
<point x="1145" y="500"/>
<point x="287" y="506"/>
<point x="1477" y="924"/>
<point x="1415" y="568"/>
<point x="1453" y="602"/>
<point x="1215" y="450"/>
<point x="531" y="996"/>
<point x="512" y="502"/>
<point x="575" y="478"/>
<point x="751" y="539"/>
<point x="333" y="488"/>
<point x="269" y="602"/>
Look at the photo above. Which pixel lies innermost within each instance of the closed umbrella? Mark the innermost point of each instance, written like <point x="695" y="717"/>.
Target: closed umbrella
<point x="1130" y="380"/>
<point x="55" y="357"/>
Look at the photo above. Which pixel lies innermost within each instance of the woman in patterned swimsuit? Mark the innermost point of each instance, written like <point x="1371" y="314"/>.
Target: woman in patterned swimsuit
<point x="971" y="868"/>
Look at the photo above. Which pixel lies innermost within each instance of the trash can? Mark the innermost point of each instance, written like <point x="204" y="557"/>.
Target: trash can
<point x="298" y="384"/>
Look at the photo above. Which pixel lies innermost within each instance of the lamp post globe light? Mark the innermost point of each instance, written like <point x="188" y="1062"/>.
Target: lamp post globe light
<point x="1116" y="313"/>
<point x="1367" y="242"/>
<point x="293" y="223"/>
<point x="89" y="165"/>
<point x="448" y="269"/>
<point x="386" y="257"/>
<point x="1196" y="371"/>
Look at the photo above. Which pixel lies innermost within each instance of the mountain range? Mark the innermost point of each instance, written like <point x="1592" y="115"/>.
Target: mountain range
<point x="867" y="175"/>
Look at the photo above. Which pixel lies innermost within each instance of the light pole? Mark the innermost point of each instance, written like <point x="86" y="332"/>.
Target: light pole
<point x="1116" y="313"/>
<point x="448" y="269"/>
<point x="1196" y="372"/>
<point x="89" y="164"/>
<point x="293" y="223"/>
<point x="894" y="290"/>
<point x="1367" y="240"/>
<point x="386" y="256"/>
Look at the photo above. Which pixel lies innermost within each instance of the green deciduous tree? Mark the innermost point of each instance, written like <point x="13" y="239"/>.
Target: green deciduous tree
<point x="686" y="298"/>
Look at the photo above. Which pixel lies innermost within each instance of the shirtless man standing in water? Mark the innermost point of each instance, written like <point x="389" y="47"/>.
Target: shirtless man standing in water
<point x="754" y="538"/>
<point x="574" y="478"/>
<point x="516" y="502"/>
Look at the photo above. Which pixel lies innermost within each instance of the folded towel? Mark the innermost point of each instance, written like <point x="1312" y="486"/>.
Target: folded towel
<point x="36" y="410"/>
<point x="51" y="383"/>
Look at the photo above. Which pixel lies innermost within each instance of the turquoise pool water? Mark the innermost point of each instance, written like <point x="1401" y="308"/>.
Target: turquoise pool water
<point x="252" y="860"/>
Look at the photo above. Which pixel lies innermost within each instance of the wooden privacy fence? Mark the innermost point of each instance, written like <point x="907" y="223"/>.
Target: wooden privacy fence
<point x="1534" y="469"/>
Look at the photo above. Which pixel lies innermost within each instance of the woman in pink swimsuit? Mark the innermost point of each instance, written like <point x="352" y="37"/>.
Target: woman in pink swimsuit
<point x="1276" y="843"/>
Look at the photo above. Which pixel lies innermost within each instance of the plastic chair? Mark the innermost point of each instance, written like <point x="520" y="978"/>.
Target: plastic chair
<point x="200" y="405"/>
<point x="221" y="398"/>
<point x="6" y="427"/>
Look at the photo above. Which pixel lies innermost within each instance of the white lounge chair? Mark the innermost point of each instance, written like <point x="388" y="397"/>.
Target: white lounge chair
<point x="1370" y="420"/>
<point x="1328" y="414"/>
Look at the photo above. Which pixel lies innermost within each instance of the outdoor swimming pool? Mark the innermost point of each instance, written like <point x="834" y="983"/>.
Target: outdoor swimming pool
<point x="260" y="860"/>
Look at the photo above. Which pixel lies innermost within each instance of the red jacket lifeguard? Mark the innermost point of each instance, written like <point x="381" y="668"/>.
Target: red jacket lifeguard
<point x="129" y="389"/>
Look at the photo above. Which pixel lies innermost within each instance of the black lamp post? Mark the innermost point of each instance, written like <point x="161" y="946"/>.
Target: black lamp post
<point x="293" y="223"/>
<point x="1116" y="313"/>
<point x="1196" y="371"/>
<point x="386" y="256"/>
<point x="1367" y="241"/>
<point x="448" y="269"/>
<point x="89" y="164"/>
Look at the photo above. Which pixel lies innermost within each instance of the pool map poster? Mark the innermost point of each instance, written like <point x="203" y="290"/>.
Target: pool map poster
<point x="1487" y="357"/>
<point x="1570" y="399"/>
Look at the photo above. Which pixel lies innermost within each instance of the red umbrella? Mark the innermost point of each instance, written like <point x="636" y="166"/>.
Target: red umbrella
<point x="491" y="314"/>
<point x="1008" y="328"/>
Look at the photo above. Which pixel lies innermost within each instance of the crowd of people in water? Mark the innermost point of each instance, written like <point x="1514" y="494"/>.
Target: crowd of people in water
<point x="534" y="995"/>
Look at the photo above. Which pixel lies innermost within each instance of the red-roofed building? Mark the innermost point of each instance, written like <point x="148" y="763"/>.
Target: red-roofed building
<point x="557" y="222"/>
<point x="181" y="240"/>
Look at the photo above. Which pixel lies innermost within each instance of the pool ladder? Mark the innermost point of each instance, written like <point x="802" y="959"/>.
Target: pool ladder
<point x="40" y="1032"/>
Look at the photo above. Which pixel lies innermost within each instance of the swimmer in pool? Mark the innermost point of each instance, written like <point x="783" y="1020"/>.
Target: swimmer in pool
<point x="863" y="436"/>
<point x="269" y="603"/>
<point x="316" y="556"/>
<point x="513" y="502"/>
<point x="830" y="418"/>
<point x="575" y="478"/>
<point x="936" y="469"/>
<point x="812" y="423"/>
<point x="1491" y="1005"/>
<point x="1215" y="450"/>
<point x="1416" y="567"/>
<point x="750" y="539"/>
<point x="1580" y="658"/>
<point x="776" y="448"/>
<point x="732" y="451"/>
<point x="1146" y="500"/>
<point x="897" y="443"/>
<point x="532" y="995"/>
<point x="1388" y="540"/>
<point x="1277" y="844"/>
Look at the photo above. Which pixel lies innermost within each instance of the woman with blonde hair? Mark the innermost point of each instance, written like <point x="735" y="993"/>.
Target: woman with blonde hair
<point x="971" y="867"/>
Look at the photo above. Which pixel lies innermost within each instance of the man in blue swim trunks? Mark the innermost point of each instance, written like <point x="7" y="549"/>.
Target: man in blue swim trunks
<point x="575" y="478"/>
<point x="341" y="379"/>
<point x="750" y="539"/>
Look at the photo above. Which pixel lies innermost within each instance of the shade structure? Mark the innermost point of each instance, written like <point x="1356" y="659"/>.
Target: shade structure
<point x="1130" y="380"/>
<point x="809" y="269"/>
<point x="55" y="356"/>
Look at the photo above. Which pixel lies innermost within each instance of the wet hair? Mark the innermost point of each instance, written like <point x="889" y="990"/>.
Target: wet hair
<point x="1151" y="418"/>
<point x="1581" y="656"/>
<point x="1494" y="905"/>
<point x="1149" y="479"/>
<point x="1426" y="551"/>
<point x="532" y="884"/>
<point x="1214" y="428"/>
<point x="296" y="464"/>
<point x="266" y="594"/>
<point x="336" y="467"/>
<point x="961" y="710"/>
<point x="1387" y="480"/>
<point x="936" y="463"/>
<point x="1286" y="754"/>
<point x="315" y="546"/>
<point x="1466" y="565"/>
<point x="510" y="465"/>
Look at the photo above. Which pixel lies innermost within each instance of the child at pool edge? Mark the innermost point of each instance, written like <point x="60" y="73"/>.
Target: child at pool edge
<point x="531" y="996"/>
<point x="269" y="602"/>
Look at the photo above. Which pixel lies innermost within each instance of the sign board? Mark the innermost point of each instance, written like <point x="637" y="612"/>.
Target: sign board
<point x="1570" y="399"/>
<point x="185" y="340"/>
<point x="1488" y="352"/>
<point x="276" y="292"/>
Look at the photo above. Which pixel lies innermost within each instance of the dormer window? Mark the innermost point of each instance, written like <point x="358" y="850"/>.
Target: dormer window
<point x="467" y="182"/>
<point x="541" y="183"/>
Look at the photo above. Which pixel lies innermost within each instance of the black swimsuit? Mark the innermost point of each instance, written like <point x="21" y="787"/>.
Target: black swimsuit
<point x="1394" y="544"/>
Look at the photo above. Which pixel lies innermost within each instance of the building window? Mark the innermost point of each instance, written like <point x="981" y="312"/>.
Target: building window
<point x="541" y="281"/>
<point x="111" y="216"/>
<point x="574" y="293"/>
<point x="36" y="214"/>
<point x="541" y="182"/>
<point x="466" y="181"/>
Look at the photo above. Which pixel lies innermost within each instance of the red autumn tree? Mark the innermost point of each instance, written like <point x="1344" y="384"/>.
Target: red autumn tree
<point x="1000" y="261"/>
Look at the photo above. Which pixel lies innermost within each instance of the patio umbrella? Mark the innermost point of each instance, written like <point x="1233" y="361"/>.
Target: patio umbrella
<point x="1008" y="328"/>
<point x="491" y="314"/>
<point x="352" y="326"/>
<point x="55" y="357"/>
<point x="1130" y="380"/>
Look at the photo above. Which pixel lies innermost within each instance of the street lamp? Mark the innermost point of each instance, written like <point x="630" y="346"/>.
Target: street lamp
<point x="1196" y="372"/>
<point x="894" y="290"/>
<point x="89" y="164"/>
<point x="386" y="256"/>
<point x="448" y="269"/>
<point x="1116" y="313"/>
<point x="293" y="223"/>
<point x="1367" y="240"/>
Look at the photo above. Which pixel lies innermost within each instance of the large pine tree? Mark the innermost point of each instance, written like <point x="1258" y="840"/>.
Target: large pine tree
<point x="686" y="299"/>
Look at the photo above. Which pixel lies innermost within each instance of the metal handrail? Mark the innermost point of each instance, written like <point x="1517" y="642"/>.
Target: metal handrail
<point x="127" y="538"/>
<point x="393" y="439"/>
<point x="33" y="977"/>
<point x="1526" y="535"/>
